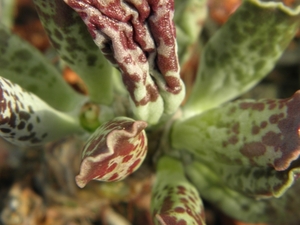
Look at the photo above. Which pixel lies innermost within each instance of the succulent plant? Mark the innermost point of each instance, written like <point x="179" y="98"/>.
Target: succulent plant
<point x="242" y="155"/>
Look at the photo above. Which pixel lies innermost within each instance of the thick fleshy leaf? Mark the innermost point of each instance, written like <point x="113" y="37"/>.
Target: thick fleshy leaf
<point x="139" y="37"/>
<point x="7" y="12"/>
<point x="75" y="46"/>
<point x="242" y="52"/>
<point x="26" y="120"/>
<point x="283" y="210"/>
<point x="252" y="145"/>
<point x="21" y="63"/>
<point x="175" y="200"/>
<point x="189" y="19"/>
<point x="114" y="151"/>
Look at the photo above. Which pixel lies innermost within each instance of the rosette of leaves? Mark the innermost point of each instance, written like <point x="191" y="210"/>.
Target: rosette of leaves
<point x="241" y="156"/>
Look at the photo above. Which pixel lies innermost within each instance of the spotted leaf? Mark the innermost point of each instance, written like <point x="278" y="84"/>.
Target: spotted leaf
<point x="253" y="145"/>
<point x="114" y="151"/>
<point x="22" y="64"/>
<point x="175" y="200"/>
<point x="277" y="211"/>
<point x="26" y="120"/>
<point x="70" y="37"/>
<point x="139" y="38"/>
<point x="242" y="52"/>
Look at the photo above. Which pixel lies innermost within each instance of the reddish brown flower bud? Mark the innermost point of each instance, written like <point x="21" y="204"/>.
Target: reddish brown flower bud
<point x="114" y="151"/>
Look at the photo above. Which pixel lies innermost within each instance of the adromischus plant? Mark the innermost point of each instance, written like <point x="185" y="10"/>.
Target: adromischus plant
<point x="242" y="156"/>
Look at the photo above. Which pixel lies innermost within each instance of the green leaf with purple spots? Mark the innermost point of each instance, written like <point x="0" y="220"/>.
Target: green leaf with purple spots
<point x="242" y="52"/>
<point x="283" y="210"/>
<point x="75" y="46"/>
<point x="21" y="63"/>
<point x="175" y="200"/>
<point x="252" y="145"/>
<point x="26" y="120"/>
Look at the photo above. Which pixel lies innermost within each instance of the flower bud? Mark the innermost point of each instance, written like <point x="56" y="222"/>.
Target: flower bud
<point x="114" y="151"/>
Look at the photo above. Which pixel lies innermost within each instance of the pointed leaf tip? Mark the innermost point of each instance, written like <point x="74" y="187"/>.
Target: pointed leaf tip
<point x="114" y="151"/>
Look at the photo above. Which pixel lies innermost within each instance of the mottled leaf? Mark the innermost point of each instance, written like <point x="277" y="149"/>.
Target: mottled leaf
<point x="283" y="210"/>
<point x="189" y="19"/>
<point x="114" y="151"/>
<point x="242" y="52"/>
<point x="252" y="145"/>
<point x="21" y="63"/>
<point x="70" y="37"/>
<point x="26" y="120"/>
<point x="143" y="46"/>
<point x="175" y="200"/>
